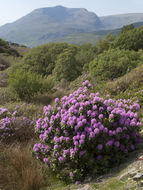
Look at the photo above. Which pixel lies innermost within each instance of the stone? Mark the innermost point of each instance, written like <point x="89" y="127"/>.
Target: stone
<point x="138" y="176"/>
<point x="140" y="158"/>
<point x="133" y="173"/>
<point x="127" y="174"/>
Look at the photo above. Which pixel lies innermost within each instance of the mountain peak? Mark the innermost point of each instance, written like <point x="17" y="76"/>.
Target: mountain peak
<point x="52" y="24"/>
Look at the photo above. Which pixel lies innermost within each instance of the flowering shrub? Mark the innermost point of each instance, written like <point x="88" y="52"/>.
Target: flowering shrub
<point x="15" y="127"/>
<point x="83" y="133"/>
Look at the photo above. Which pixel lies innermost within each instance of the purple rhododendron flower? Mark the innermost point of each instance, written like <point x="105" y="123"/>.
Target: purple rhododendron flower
<point x="79" y="127"/>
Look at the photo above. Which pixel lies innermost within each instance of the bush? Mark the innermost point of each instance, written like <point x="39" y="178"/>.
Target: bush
<point x="129" y="38"/>
<point x="84" y="133"/>
<point x="114" y="63"/>
<point x="13" y="127"/>
<point x="3" y="43"/>
<point x="42" y="59"/>
<point x="25" y="84"/>
<point x="66" y="65"/>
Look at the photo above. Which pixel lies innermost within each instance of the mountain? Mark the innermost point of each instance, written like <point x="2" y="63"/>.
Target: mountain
<point x="49" y="24"/>
<point x="90" y="37"/>
<point x="93" y="37"/>
<point x="117" y="21"/>
<point x="73" y="25"/>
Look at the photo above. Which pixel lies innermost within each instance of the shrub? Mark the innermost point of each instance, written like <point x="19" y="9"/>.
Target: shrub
<point x="129" y="38"/>
<point x="113" y="63"/>
<point x="66" y="65"/>
<point x="13" y="127"/>
<point x="84" y="133"/>
<point x="25" y="84"/>
<point x="42" y="59"/>
<point x="3" y="43"/>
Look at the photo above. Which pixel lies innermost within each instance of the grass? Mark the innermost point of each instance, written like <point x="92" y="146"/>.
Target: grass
<point x="20" y="171"/>
<point x="114" y="184"/>
<point x="132" y="81"/>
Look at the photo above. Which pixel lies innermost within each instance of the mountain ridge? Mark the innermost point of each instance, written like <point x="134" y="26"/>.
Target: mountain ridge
<point x="119" y="20"/>
<point x="50" y="24"/>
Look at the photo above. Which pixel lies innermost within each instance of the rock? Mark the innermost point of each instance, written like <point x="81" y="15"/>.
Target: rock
<point x="140" y="158"/>
<point x="86" y="187"/>
<point x="129" y="173"/>
<point x="138" y="176"/>
<point x="133" y="173"/>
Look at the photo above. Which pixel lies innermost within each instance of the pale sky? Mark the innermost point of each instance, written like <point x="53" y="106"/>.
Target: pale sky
<point x="11" y="10"/>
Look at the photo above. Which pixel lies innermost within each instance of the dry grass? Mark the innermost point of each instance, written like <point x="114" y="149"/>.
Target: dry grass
<point x="19" y="170"/>
<point x="131" y="81"/>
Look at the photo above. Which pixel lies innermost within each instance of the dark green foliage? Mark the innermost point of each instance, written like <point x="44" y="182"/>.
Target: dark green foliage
<point x="104" y="44"/>
<point x="86" y="53"/>
<point x="127" y="28"/>
<point x="5" y="48"/>
<point x="25" y="84"/>
<point x="42" y="59"/>
<point x="66" y="65"/>
<point x="62" y="60"/>
<point x="3" y="43"/>
<point x="114" y="63"/>
<point x="129" y="38"/>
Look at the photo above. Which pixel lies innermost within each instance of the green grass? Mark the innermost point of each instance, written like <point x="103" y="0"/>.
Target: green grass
<point x="114" y="184"/>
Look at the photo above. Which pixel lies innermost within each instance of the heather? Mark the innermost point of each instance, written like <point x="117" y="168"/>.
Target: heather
<point x="84" y="134"/>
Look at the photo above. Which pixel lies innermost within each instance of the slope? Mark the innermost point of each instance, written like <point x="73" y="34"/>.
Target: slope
<point x="49" y="24"/>
<point x="117" y="21"/>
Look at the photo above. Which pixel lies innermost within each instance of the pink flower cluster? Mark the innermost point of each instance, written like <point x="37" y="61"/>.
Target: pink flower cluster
<point x="10" y="123"/>
<point x="84" y="128"/>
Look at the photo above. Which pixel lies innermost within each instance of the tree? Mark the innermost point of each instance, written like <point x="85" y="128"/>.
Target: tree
<point x="104" y="44"/>
<point x="42" y="59"/>
<point x="66" y="65"/>
<point x="127" y="28"/>
<point x="85" y="54"/>
<point x="129" y="38"/>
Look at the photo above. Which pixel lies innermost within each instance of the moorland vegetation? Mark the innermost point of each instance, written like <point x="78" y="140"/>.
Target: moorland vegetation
<point x="83" y="132"/>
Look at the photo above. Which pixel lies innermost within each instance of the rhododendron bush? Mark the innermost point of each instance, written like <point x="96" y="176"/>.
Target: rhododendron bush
<point x="84" y="132"/>
<point x="13" y="127"/>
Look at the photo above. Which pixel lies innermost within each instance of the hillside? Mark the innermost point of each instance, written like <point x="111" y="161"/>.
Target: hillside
<point x="93" y="37"/>
<point x="10" y="53"/>
<point x="117" y="21"/>
<point x="78" y="100"/>
<point x="50" y="24"/>
<point x="57" y="24"/>
<point x="90" y="37"/>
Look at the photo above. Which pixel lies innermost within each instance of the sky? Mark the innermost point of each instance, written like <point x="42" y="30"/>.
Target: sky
<point x="11" y="10"/>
